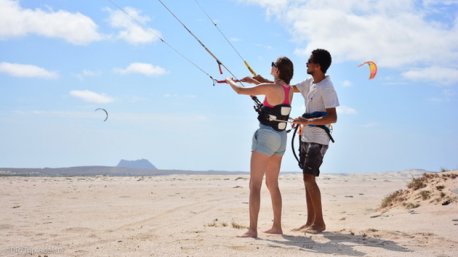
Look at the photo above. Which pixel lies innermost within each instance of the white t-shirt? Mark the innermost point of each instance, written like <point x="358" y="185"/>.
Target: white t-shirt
<point x="318" y="97"/>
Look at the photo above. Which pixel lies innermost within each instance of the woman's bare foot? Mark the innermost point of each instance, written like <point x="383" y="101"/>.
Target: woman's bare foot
<point x="277" y="231"/>
<point x="250" y="233"/>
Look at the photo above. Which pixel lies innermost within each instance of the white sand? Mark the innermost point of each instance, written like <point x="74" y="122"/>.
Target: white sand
<point x="197" y="215"/>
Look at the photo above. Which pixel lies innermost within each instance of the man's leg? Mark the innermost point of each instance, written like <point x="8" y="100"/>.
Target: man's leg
<point x="310" y="212"/>
<point x="313" y="191"/>
<point x="303" y="152"/>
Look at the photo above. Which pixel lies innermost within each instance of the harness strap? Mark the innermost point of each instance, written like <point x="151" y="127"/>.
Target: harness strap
<point x="294" y="150"/>
<point x="325" y="128"/>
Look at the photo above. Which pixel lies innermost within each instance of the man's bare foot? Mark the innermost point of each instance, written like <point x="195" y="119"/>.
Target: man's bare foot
<point x="277" y="231"/>
<point x="302" y="228"/>
<point x="250" y="233"/>
<point x="315" y="229"/>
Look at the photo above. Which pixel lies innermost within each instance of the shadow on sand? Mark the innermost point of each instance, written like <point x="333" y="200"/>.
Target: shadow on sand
<point x="336" y="243"/>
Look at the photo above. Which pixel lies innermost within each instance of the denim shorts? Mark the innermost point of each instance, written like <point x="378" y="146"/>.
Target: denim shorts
<point x="268" y="141"/>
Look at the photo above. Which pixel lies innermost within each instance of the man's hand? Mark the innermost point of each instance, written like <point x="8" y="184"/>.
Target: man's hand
<point x="261" y="79"/>
<point x="250" y="80"/>
<point x="301" y="121"/>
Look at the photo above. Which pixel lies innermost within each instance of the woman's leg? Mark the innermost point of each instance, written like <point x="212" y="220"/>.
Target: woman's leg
<point x="258" y="167"/>
<point x="272" y="173"/>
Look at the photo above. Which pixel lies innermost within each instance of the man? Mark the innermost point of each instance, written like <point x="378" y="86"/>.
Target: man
<point x="320" y="97"/>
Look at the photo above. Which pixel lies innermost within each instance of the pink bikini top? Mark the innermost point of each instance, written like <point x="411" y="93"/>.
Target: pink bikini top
<point x="286" y="88"/>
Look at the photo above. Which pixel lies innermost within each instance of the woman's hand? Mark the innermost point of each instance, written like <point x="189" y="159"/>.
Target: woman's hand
<point x="230" y="81"/>
<point x="234" y="85"/>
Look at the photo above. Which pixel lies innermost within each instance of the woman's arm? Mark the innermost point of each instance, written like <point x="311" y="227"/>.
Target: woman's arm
<point x="261" y="89"/>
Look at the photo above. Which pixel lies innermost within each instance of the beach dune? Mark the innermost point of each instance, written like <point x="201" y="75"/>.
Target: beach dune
<point x="202" y="215"/>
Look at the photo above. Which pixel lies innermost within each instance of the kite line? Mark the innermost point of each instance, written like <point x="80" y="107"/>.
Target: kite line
<point x="227" y="40"/>
<point x="165" y="42"/>
<point x="258" y="103"/>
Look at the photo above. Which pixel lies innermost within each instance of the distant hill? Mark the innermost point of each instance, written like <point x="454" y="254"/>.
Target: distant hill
<point x="137" y="164"/>
<point x="140" y="167"/>
<point x="80" y="171"/>
<point x="124" y="168"/>
<point x="102" y="171"/>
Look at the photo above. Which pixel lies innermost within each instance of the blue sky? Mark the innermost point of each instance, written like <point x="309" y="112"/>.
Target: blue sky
<point x="60" y="60"/>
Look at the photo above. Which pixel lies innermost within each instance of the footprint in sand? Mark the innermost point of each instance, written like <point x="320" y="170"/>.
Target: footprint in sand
<point x="6" y="226"/>
<point x="77" y="230"/>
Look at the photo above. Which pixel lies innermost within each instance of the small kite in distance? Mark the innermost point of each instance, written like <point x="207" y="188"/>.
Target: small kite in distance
<point x="372" y="68"/>
<point x="106" y="113"/>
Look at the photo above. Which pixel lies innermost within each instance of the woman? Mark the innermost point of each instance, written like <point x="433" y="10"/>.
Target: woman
<point x="269" y="141"/>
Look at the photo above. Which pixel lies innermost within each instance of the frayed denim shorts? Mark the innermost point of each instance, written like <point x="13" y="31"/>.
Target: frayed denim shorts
<point x="268" y="141"/>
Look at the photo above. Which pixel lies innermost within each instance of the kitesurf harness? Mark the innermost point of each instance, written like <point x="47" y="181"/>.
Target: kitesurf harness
<point x="324" y="127"/>
<point x="276" y="116"/>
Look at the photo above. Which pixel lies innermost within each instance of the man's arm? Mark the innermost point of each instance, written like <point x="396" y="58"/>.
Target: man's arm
<point x="262" y="79"/>
<point x="331" y="117"/>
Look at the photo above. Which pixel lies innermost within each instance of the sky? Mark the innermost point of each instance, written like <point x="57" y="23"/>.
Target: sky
<point x="61" y="60"/>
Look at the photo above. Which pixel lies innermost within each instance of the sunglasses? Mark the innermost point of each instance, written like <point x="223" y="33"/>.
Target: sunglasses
<point x="274" y="65"/>
<point x="309" y="61"/>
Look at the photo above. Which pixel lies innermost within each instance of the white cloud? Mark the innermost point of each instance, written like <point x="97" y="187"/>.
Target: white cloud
<point x="26" y="70"/>
<point x="346" y="83"/>
<point x="398" y="34"/>
<point x="446" y="96"/>
<point x="346" y="110"/>
<point x="91" y="97"/>
<point x="141" y="68"/>
<point x="75" y="28"/>
<point x="86" y="74"/>
<point x="443" y="76"/>
<point x="272" y="6"/>
<point x="131" y="23"/>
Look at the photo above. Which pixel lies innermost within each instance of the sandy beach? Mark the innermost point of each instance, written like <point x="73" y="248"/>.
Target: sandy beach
<point x="202" y="215"/>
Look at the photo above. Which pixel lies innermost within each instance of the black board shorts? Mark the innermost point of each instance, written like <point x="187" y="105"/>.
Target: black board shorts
<point x="311" y="157"/>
